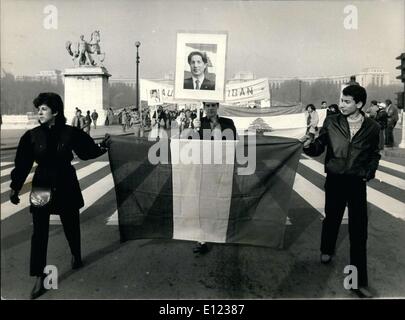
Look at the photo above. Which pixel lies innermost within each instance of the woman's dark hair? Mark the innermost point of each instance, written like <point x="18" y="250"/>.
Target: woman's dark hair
<point x="310" y="106"/>
<point x="54" y="102"/>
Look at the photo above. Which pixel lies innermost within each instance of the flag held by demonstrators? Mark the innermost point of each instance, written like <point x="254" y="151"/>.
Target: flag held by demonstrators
<point x="219" y="199"/>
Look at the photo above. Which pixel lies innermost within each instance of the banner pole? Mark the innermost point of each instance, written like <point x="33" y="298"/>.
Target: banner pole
<point x="198" y="110"/>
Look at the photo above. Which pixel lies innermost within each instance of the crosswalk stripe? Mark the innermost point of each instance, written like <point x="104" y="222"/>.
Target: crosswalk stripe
<point x="113" y="219"/>
<point x="7" y="171"/>
<point x="6" y="163"/>
<point x="91" y="194"/>
<point x="8" y="209"/>
<point x="393" y="166"/>
<point x="5" y="186"/>
<point x="383" y="163"/>
<point x="392" y="206"/>
<point x="390" y="179"/>
<point x="89" y="169"/>
<point x="310" y="193"/>
<point x="386" y="203"/>
<point x="380" y="175"/>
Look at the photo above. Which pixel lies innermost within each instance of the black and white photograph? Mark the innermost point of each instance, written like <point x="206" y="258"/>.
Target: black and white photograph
<point x="217" y="151"/>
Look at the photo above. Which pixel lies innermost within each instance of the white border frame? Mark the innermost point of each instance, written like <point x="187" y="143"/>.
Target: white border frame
<point x="221" y="40"/>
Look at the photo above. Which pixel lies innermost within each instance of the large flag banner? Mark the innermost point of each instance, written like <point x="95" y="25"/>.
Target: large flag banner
<point x="220" y="199"/>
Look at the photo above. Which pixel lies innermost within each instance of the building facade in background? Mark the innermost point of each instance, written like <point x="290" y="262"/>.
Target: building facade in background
<point x="53" y="76"/>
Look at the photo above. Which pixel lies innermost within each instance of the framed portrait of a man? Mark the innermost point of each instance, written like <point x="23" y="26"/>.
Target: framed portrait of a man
<point x="154" y="98"/>
<point x="200" y="66"/>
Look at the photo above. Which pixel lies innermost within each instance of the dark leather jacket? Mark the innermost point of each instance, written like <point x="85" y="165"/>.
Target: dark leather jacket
<point x="225" y="123"/>
<point x="358" y="157"/>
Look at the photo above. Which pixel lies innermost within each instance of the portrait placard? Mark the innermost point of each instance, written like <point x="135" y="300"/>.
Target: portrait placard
<point x="200" y="66"/>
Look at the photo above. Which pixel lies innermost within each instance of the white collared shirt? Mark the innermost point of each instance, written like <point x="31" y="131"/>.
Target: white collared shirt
<point x="201" y="80"/>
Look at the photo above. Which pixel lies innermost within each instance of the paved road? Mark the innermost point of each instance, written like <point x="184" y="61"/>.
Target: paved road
<point x="167" y="269"/>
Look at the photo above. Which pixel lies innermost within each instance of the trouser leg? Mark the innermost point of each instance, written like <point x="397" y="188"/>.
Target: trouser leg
<point x="71" y="226"/>
<point x="389" y="136"/>
<point x="39" y="241"/>
<point x="335" y="203"/>
<point x="358" y="228"/>
<point x="382" y="140"/>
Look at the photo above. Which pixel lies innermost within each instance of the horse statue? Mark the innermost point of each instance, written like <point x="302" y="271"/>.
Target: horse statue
<point x="87" y="53"/>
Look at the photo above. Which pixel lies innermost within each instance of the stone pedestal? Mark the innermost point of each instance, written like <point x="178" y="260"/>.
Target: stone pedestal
<point x="87" y="89"/>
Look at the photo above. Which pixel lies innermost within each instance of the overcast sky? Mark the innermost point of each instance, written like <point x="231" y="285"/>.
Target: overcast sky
<point x="269" y="38"/>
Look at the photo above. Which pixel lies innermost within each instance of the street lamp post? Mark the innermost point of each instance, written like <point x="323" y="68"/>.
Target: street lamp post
<point x="137" y="44"/>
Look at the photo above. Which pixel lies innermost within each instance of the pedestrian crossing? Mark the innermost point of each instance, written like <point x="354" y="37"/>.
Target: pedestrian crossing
<point x="392" y="166"/>
<point x="304" y="186"/>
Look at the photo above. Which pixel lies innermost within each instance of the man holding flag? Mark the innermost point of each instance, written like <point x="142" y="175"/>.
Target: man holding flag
<point x="352" y="157"/>
<point x="212" y="127"/>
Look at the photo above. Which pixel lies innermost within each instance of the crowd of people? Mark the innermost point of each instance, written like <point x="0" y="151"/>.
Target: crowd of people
<point x="130" y="119"/>
<point x="181" y="119"/>
<point x="84" y="122"/>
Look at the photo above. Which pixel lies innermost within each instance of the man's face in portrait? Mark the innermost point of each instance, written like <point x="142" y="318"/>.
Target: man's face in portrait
<point x="197" y="65"/>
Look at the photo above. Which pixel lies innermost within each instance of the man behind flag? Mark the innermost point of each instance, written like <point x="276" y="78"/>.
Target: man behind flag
<point x="213" y="127"/>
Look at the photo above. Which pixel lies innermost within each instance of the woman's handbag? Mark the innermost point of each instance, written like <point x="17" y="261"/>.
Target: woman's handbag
<point x="39" y="197"/>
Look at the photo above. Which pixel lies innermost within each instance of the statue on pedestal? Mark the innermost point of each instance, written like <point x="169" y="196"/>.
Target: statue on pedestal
<point x="87" y="53"/>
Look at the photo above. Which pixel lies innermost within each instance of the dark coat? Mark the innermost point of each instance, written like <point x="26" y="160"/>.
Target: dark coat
<point x="225" y="123"/>
<point x="382" y="118"/>
<point x="358" y="157"/>
<point x="206" y="84"/>
<point x="52" y="150"/>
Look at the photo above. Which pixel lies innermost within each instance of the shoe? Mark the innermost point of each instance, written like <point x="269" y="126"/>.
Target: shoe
<point x="326" y="258"/>
<point x="363" y="292"/>
<point x="201" y="248"/>
<point x="38" y="289"/>
<point x="76" y="263"/>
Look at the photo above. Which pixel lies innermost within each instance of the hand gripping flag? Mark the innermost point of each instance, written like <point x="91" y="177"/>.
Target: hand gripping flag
<point x="208" y="196"/>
